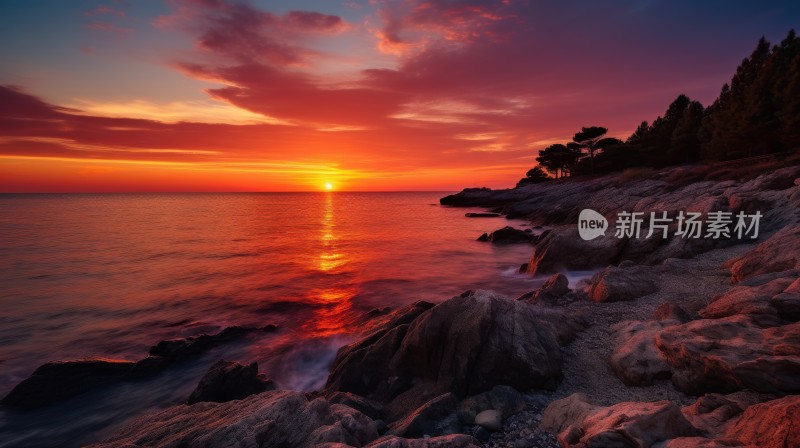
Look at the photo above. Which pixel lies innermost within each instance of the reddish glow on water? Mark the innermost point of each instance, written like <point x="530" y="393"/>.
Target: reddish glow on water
<point x="110" y="275"/>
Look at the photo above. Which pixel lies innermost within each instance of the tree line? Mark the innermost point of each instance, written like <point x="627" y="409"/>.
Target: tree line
<point x="757" y="113"/>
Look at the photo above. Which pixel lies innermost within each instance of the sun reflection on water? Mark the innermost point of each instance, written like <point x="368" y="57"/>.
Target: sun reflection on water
<point x="335" y="299"/>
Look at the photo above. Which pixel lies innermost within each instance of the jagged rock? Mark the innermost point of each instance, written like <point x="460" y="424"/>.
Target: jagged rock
<point x="614" y="284"/>
<point x="57" y="381"/>
<point x="272" y="418"/>
<point x="367" y="407"/>
<point x="465" y="345"/>
<point x="507" y="235"/>
<point x="731" y="353"/>
<point x="636" y="360"/>
<point x="553" y="289"/>
<point x="773" y="423"/>
<point x="363" y="366"/>
<point x="226" y="381"/>
<point x="623" y="424"/>
<point x="780" y="252"/>
<point x="563" y="248"/>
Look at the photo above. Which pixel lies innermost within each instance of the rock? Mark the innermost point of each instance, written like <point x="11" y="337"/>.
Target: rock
<point x="561" y="414"/>
<point x="272" y="418"/>
<point x="731" y="353"/>
<point x="481" y="433"/>
<point x="623" y="424"/>
<point x="508" y="235"/>
<point x="367" y="407"/>
<point x="482" y="215"/>
<point x="465" y="345"/>
<point x="449" y="441"/>
<point x="523" y="268"/>
<point x="553" y="289"/>
<point x="636" y="360"/>
<point x="670" y="311"/>
<point x="764" y="303"/>
<point x="506" y="400"/>
<point x="489" y="419"/>
<point x="363" y="366"/>
<point x="226" y="381"/>
<point x="773" y="423"/>
<point x="711" y="413"/>
<point x="562" y="248"/>
<point x="177" y="349"/>
<point x="614" y="284"/>
<point x="57" y="381"/>
<point x="434" y="418"/>
<point x="780" y="252"/>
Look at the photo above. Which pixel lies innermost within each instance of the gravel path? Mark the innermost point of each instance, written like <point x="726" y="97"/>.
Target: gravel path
<point x="689" y="283"/>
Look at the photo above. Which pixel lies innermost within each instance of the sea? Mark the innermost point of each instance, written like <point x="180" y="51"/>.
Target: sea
<point x="110" y="275"/>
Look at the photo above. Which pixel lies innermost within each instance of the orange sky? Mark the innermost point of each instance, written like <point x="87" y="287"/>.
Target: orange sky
<point x="221" y="95"/>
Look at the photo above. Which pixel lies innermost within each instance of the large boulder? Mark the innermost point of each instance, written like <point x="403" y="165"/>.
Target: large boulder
<point x="732" y="353"/>
<point x="625" y="424"/>
<point x="614" y="284"/>
<point x="465" y="345"/>
<point x="226" y="381"/>
<point x="273" y="418"/>
<point x="56" y="381"/>
<point x="780" y="252"/>
<point x="552" y="291"/>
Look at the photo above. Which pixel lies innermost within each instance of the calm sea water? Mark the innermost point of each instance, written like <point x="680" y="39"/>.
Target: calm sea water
<point x="110" y="275"/>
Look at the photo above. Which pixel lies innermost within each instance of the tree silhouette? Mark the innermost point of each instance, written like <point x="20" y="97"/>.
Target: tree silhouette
<point x="591" y="139"/>
<point x="558" y="159"/>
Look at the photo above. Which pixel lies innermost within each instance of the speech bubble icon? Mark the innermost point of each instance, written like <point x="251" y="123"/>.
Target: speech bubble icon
<point x="591" y="224"/>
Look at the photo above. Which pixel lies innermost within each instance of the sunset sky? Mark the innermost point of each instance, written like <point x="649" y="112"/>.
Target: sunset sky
<point x="289" y="95"/>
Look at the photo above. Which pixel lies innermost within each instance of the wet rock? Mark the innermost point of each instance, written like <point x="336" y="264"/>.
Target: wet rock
<point x="551" y="292"/>
<point x="273" y="418"/>
<point x="57" y="381"/>
<point x="226" y="381"/>
<point x="614" y="284"/>
<point x="482" y="215"/>
<point x="508" y="235"/>
<point x="727" y="354"/>
<point x="490" y="419"/>
<point x="780" y="252"/>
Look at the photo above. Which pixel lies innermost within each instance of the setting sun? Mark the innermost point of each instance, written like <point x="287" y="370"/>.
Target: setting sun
<point x="328" y="186"/>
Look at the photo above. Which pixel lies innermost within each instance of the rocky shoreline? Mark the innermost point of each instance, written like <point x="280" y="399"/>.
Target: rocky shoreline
<point x="674" y="342"/>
